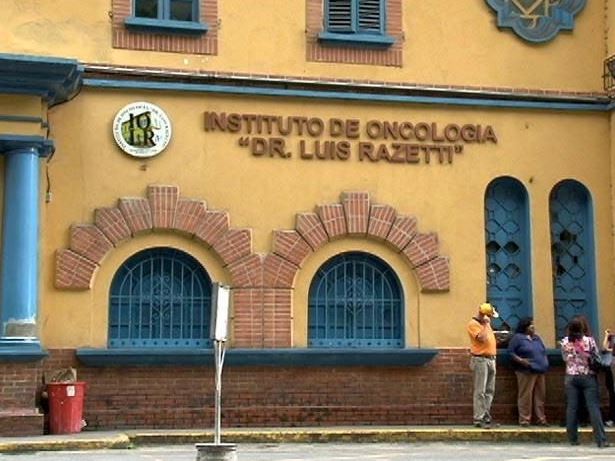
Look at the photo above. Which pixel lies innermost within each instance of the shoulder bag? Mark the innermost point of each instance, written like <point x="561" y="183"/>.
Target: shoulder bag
<point x="599" y="361"/>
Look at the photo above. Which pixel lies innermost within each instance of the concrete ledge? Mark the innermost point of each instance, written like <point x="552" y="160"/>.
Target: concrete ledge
<point x="83" y="441"/>
<point x="357" y="434"/>
<point x="294" y="357"/>
<point x="21" y="422"/>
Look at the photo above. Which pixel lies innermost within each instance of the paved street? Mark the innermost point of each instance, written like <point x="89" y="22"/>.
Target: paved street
<point x="437" y="451"/>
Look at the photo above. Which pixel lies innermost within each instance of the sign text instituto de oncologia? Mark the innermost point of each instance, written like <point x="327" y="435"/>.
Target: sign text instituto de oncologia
<point x="371" y="141"/>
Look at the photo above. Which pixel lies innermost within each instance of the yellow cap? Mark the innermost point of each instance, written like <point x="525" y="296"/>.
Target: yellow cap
<point x="488" y="309"/>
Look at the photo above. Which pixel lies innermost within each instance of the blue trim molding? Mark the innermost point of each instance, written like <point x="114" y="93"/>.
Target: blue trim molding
<point x="17" y="350"/>
<point x="359" y="40"/>
<point x="539" y="21"/>
<point x="586" y="104"/>
<point x="144" y="357"/>
<point x="15" y="142"/>
<point x="331" y="357"/>
<point x="258" y="357"/>
<point x="54" y="79"/>
<point x="23" y="118"/>
<point x="165" y="26"/>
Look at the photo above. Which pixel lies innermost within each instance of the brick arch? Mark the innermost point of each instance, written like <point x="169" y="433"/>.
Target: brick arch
<point x="354" y="216"/>
<point x="161" y="209"/>
<point x="262" y="284"/>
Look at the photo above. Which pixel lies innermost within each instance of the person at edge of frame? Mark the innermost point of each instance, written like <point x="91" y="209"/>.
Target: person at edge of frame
<point x="608" y="344"/>
<point x="576" y="348"/>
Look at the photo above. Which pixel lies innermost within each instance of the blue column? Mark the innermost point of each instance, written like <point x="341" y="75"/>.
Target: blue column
<point x="53" y="80"/>
<point x="20" y="240"/>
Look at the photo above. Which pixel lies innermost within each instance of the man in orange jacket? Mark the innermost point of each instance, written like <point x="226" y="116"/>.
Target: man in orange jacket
<point x="482" y="363"/>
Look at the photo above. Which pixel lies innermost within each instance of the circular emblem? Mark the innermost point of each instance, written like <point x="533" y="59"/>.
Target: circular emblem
<point x="142" y="129"/>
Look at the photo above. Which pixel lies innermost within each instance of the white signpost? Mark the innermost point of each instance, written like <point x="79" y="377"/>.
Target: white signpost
<point x="220" y="309"/>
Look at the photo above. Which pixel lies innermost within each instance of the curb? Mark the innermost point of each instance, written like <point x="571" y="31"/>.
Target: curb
<point x="65" y="443"/>
<point x="357" y="435"/>
<point x="133" y="438"/>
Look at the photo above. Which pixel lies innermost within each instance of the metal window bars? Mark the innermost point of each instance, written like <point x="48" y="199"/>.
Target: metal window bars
<point x="160" y="297"/>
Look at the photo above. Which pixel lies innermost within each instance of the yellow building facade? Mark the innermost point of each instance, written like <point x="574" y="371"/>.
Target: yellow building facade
<point x="362" y="175"/>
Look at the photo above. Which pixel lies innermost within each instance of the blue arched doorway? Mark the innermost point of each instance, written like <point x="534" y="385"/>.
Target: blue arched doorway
<point x="572" y="254"/>
<point x="507" y="244"/>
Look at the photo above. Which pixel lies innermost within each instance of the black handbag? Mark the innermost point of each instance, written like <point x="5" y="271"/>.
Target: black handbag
<point x="599" y="361"/>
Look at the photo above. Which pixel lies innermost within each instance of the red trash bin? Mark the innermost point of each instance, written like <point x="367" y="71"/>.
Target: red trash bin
<point x="65" y="407"/>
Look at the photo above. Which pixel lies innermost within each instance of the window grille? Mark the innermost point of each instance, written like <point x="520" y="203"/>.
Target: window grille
<point x="160" y="297"/>
<point x="572" y="254"/>
<point x="507" y="244"/>
<point x="355" y="301"/>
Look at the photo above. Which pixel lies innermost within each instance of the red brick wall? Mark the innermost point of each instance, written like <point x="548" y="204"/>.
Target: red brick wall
<point x="182" y="397"/>
<point x="19" y="385"/>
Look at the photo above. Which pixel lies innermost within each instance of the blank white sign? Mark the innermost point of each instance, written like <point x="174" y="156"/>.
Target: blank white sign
<point x="220" y="314"/>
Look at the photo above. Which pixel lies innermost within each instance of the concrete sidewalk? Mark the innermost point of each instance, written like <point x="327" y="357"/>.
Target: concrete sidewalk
<point x="90" y="440"/>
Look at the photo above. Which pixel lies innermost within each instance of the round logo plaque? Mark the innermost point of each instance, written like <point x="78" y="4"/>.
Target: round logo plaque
<point x="142" y="129"/>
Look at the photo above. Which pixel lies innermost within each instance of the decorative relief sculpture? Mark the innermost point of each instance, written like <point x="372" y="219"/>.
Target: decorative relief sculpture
<point x="537" y="20"/>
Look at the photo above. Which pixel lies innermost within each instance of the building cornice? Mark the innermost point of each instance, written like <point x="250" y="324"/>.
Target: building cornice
<point x="100" y="75"/>
<point x="55" y="80"/>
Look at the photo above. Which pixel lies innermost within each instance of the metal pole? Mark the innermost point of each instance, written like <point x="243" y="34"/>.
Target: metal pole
<point x="218" y="333"/>
<point x="219" y="361"/>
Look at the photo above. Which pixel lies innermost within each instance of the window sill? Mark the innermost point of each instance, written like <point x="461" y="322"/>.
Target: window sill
<point x="358" y="40"/>
<point x="332" y="357"/>
<point x="257" y="357"/>
<point x="144" y="357"/>
<point x="165" y="26"/>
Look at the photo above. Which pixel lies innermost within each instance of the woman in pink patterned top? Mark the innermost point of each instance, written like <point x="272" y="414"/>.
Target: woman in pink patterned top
<point x="580" y="380"/>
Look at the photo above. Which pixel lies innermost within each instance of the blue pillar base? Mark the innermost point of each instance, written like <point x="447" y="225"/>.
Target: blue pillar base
<point x="21" y="350"/>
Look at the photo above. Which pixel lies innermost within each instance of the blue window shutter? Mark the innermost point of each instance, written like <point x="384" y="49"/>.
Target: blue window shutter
<point x="371" y="16"/>
<point x="340" y="16"/>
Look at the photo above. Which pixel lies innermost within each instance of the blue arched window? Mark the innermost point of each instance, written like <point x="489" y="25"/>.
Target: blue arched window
<point x="160" y="297"/>
<point x="507" y="243"/>
<point x="355" y="300"/>
<point x="572" y="254"/>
